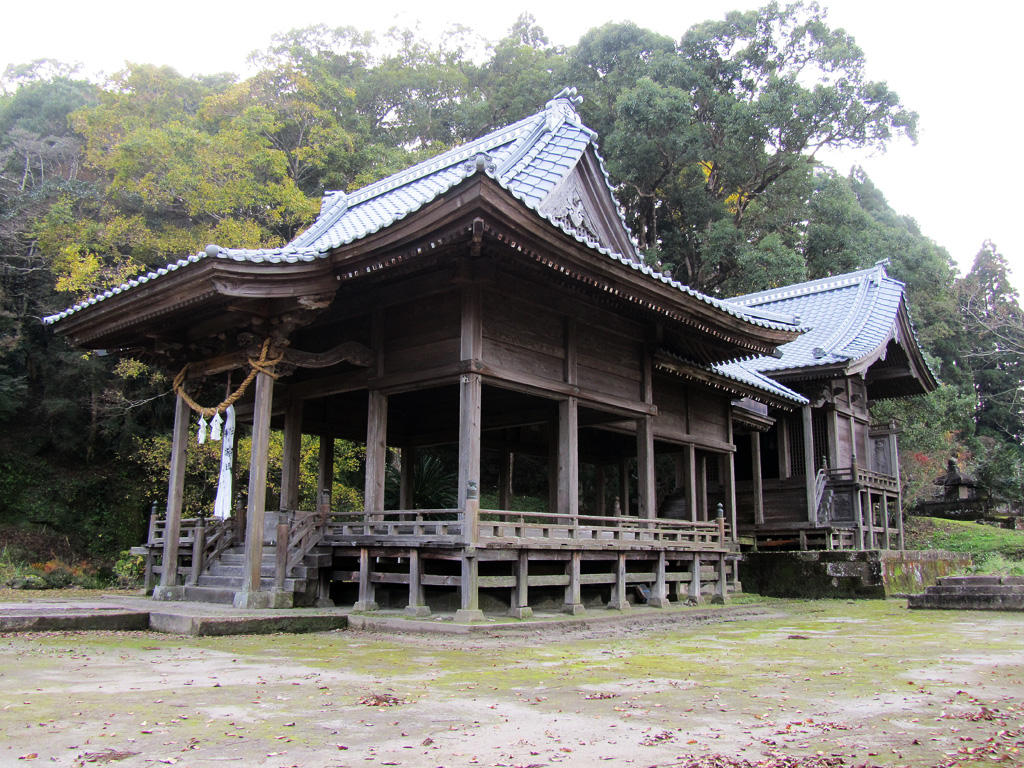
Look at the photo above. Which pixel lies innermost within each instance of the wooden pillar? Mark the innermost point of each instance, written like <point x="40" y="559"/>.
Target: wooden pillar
<point x="376" y="452"/>
<point x="568" y="459"/>
<point x="599" y="500"/>
<point x="701" y="486"/>
<point x="291" y="455"/>
<point x="659" y="595"/>
<point x="407" y="479"/>
<point x="690" y="466"/>
<point x="367" y="601"/>
<point x="505" y="478"/>
<point x="325" y="473"/>
<point x="695" y="595"/>
<point x="886" y="528"/>
<point x="721" y="588"/>
<point x="573" y="601"/>
<point x="168" y="588"/>
<point x="624" y="486"/>
<point x="417" y="606"/>
<point x="869" y="516"/>
<point x="521" y="595"/>
<point x="619" y="601"/>
<point x="469" y="451"/>
<point x="810" y="471"/>
<point x="730" y="493"/>
<point x="645" y="470"/>
<point x="251" y="596"/>
<point x="755" y="452"/>
<point x="469" y="590"/>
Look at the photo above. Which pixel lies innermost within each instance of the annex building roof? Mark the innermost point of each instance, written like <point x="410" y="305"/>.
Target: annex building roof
<point x="857" y="321"/>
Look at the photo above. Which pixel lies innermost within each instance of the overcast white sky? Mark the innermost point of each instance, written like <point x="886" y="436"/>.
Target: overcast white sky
<point x="956" y="65"/>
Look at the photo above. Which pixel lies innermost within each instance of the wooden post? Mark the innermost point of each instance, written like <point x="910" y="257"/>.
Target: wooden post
<point x="169" y="589"/>
<point x="408" y="478"/>
<point x="730" y="493"/>
<point x="690" y="468"/>
<point x="696" y="596"/>
<point x="619" y="601"/>
<point x="869" y="514"/>
<point x="659" y="596"/>
<point x="416" y="606"/>
<point x="291" y="455"/>
<point x="251" y="596"/>
<point x="470" y="401"/>
<point x="366" y="600"/>
<point x="469" y="590"/>
<point x="599" y="499"/>
<point x="376" y="452"/>
<point x="281" y="556"/>
<point x="568" y="459"/>
<point x="886" y="528"/>
<point x="198" y="547"/>
<point x="573" y="600"/>
<point x="810" y="471"/>
<point x="645" y="470"/>
<point x="721" y="589"/>
<point x="624" y="486"/>
<point x="520" y="598"/>
<point x="148" y="580"/>
<point x="755" y="452"/>
<point x="858" y="516"/>
<point x="325" y="473"/>
<point x="702" y="486"/>
<point x="505" y="479"/>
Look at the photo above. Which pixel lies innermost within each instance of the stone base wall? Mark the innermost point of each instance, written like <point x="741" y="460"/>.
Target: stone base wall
<point x="847" y="574"/>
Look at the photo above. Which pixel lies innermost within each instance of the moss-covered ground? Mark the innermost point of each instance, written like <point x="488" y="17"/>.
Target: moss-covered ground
<point x="808" y="683"/>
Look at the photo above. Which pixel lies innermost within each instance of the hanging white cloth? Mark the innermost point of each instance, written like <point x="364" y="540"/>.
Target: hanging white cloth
<point x="215" y="425"/>
<point x="202" y="430"/>
<point x="222" y="505"/>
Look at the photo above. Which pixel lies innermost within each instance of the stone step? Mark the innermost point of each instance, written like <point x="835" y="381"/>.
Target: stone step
<point x="950" y="581"/>
<point x="1013" y="602"/>
<point x="203" y="594"/>
<point x="266" y="571"/>
<point x="975" y="589"/>
<point x="235" y="583"/>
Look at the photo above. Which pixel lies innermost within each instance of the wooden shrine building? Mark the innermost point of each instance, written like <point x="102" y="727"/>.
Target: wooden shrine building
<point x="490" y="299"/>
<point x="823" y="475"/>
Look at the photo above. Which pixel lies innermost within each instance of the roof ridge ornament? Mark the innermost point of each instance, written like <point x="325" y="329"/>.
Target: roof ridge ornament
<point x="562" y="108"/>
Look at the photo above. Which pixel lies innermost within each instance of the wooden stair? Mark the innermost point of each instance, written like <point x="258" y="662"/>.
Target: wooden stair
<point x="977" y="593"/>
<point x="224" y="577"/>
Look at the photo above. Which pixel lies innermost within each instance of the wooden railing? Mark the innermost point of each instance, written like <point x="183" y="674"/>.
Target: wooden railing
<point x="200" y="542"/>
<point x="872" y="480"/>
<point x="428" y="523"/>
<point x="306" y="530"/>
<point x="550" y="527"/>
<point x="495" y="526"/>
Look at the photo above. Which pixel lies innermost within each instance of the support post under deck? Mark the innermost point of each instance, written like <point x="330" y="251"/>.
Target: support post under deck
<point x="168" y="588"/>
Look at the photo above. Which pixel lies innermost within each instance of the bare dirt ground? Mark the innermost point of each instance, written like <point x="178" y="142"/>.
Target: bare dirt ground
<point x="827" y="683"/>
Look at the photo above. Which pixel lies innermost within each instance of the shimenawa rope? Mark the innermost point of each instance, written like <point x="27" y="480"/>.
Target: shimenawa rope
<point x="264" y="364"/>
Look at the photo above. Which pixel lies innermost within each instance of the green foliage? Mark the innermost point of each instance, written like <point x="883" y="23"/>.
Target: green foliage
<point x="434" y="485"/>
<point x="710" y="138"/>
<point x="979" y="541"/>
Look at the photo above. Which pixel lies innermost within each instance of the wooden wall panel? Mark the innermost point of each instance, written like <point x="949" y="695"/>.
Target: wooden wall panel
<point x="421" y="335"/>
<point x="670" y="395"/>
<point x="709" y="413"/>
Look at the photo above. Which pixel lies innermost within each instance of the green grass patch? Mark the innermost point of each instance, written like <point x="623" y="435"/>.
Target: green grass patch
<point x="1000" y="547"/>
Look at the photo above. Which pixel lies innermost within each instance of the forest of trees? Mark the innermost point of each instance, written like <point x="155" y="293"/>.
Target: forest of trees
<point x="710" y="138"/>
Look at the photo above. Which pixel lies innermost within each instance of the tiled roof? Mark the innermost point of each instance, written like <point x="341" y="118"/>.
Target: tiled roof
<point x="530" y="159"/>
<point x="849" y="316"/>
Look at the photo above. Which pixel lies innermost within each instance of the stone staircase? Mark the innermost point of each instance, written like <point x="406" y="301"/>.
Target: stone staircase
<point x="223" y="578"/>
<point x="977" y="593"/>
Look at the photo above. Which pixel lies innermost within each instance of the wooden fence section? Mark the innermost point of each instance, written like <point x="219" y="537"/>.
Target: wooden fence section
<point x="499" y="528"/>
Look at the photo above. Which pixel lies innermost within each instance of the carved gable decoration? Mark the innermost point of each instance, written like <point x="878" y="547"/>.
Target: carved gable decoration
<point x="581" y="204"/>
<point x="568" y="209"/>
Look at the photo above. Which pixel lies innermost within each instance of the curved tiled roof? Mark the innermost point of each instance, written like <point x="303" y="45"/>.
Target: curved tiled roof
<point x="849" y="316"/>
<point x="530" y="159"/>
